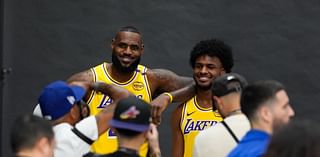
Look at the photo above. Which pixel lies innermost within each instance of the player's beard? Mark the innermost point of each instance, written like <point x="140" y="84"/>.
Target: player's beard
<point x="277" y="124"/>
<point x="116" y="63"/>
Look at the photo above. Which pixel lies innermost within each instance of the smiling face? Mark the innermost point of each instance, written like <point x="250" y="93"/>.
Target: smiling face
<point x="127" y="49"/>
<point x="206" y="69"/>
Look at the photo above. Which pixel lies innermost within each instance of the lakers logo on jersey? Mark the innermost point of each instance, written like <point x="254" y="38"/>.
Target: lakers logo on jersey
<point x="106" y="100"/>
<point x="197" y="125"/>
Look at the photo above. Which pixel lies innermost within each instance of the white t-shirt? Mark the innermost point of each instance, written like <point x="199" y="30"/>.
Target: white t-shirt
<point x="68" y="143"/>
<point x="217" y="141"/>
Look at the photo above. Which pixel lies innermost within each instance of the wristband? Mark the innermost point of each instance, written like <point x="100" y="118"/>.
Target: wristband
<point x="170" y="96"/>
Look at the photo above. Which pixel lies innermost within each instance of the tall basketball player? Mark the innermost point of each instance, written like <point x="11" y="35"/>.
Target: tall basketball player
<point x="209" y="59"/>
<point x="125" y="71"/>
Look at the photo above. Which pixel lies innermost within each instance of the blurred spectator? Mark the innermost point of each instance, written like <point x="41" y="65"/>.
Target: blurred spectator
<point x="62" y="104"/>
<point x="297" y="139"/>
<point x="266" y="104"/>
<point x="32" y="136"/>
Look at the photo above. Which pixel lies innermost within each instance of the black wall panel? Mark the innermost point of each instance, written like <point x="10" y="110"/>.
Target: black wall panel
<point x="46" y="40"/>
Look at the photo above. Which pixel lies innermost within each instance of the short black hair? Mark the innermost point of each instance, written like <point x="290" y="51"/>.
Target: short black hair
<point x="127" y="133"/>
<point x="129" y="29"/>
<point x="27" y="130"/>
<point x="213" y="48"/>
<point x="284" y="141"/>
<point x="255" y="95"/>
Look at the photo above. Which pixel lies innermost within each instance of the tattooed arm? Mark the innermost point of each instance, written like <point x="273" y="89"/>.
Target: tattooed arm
<point x="181" y="89"/>
<point x="162" y="80"/>
<point x="85" y="76"/>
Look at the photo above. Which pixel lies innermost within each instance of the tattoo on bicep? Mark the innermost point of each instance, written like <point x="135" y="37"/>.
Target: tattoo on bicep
<point x="167" y="80"/>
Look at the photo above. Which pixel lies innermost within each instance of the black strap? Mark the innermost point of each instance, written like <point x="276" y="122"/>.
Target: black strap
<point x="82" y="136"/>
<point x="230" y="131"/>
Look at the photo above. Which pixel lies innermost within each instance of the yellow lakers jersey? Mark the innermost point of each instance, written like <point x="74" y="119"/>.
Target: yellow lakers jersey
<point x="137" y="85"/>
<point x="195" y="118"/>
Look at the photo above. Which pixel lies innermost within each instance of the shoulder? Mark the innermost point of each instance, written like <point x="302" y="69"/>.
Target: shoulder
<point x="61" y="127"/>
<point x="86" y="75"/>
<point x="88" y="127"/>
<point x="63" y="134"/>
<point x="237" y="120"/>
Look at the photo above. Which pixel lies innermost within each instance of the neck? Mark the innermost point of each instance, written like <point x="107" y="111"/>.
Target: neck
<point x="262" y="127"/>
<point x="234" y="112"/>
<point x="231" y="104"/>
<point x="134" y="143"/>
<point x="204" y="98"/>
<point x="118" y="75"/>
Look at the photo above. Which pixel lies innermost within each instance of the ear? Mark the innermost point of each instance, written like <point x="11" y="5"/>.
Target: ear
<point x="218" y="103"/>
<point x="44" y="145"/>
<point x="85" y="112"/>
<point x="74" y="112"/>
<point x="216" y="100"/>
<point x="222" y="71"/>
<point x="113" y="43"/>
<point x="265" y="114"/>
<point x="142" y="49"/>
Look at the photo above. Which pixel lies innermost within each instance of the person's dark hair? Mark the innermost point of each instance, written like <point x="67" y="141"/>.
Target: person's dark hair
<point x="257" y="94"/>
<point x="213" y="48"/>
<point x="297" y="139"/>
<point x="27" y="130"/>
<point x="127" y="133"/>
<point x="129" y="29"/>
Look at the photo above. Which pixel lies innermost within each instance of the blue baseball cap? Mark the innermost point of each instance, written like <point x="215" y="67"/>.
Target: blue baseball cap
<point x="58" y="98"/>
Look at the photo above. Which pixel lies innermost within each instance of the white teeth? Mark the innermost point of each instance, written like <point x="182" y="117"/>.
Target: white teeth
<point x="203" y="78"/>
<point x="126" y="59"/>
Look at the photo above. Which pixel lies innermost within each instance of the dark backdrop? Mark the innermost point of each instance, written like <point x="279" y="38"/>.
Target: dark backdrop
<point x="46" y="40"/>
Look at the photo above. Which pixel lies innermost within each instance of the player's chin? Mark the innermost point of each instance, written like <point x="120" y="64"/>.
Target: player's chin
<point x="205" y="86"/>
<point x="126" y="64"/>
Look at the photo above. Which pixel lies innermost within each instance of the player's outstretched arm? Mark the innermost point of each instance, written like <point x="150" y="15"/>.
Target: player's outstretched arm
<point x="160" y="103"/>
<point x="177" y="137"/>
<point x="85" y="76"/>
<point x="115" y="92"/>
<point x="162" y="80"/>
